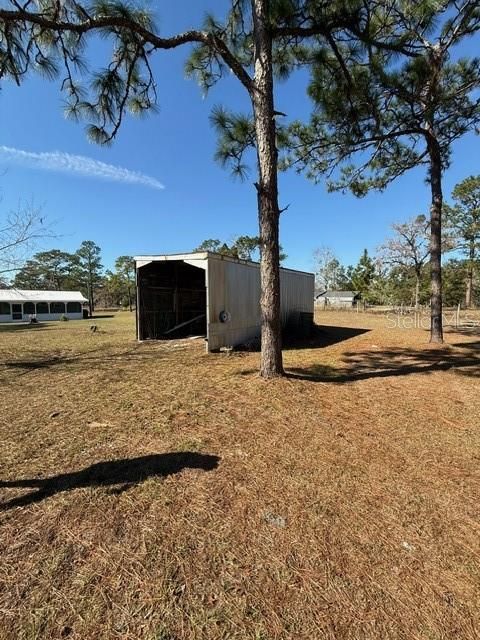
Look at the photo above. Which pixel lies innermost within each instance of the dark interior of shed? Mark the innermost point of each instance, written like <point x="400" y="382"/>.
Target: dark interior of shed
<point x="172" y="300"/>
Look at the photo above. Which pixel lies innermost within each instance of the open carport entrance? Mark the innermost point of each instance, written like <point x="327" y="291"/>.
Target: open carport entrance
<point x="172" y="300"/>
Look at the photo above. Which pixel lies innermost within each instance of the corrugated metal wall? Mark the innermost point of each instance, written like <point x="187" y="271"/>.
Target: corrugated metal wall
<point x="297" y="291"/>
<point x="234" y="287"/>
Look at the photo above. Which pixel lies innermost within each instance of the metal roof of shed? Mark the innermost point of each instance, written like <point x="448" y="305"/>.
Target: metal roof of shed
<point x="202" y="255"/>
<point x="27" y="295"/>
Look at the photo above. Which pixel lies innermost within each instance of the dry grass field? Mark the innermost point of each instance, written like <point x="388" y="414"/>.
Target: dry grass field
<point x="154" y="492"/>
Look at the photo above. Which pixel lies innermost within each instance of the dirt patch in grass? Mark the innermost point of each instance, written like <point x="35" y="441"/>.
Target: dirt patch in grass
<point x="154" y="492"/>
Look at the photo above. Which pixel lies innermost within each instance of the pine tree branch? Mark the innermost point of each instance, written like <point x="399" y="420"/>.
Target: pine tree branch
<point x="90" y="24"/>
<point x="349" y="26"/>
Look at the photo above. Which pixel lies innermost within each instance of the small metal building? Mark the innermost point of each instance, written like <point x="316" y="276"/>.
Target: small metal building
<point x="337" y="298"/>
<point x="22" y="304"/>
<point x="214" y="295"/>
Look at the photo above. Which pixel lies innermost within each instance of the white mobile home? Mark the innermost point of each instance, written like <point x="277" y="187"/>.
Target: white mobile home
<point x="214" y="295"/>
<point x="23" y="304"/>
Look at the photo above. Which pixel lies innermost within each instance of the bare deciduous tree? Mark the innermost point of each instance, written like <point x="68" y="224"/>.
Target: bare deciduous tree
<point x="326" y="266"/>
<point x="409" y="248"/>
<point x="20" y="232"/>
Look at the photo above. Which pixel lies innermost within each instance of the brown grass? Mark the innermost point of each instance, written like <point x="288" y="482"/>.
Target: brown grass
<point x="345" y="503"/>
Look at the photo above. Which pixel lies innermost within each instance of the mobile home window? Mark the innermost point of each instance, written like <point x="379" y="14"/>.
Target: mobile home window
<point x="42" y="307"/>
<point x="74" y="307"/>
<point x="4" y="308"/>
<point x="57" y="307"/>
<point x="28" y="308"/>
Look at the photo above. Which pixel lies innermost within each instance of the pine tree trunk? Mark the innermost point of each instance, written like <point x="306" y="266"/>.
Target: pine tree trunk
<point x="436" y="323"/>
<point x="267" y="191"/>
<point x="89" y="296"/>
<point x="90" y="293"/>
<point x="469" y="292"/>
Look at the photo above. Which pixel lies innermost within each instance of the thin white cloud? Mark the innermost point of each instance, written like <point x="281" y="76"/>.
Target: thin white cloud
<point x="80" y="165"/>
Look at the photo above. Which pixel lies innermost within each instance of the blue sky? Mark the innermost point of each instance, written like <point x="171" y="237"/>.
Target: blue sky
<point x="175" y="147"/>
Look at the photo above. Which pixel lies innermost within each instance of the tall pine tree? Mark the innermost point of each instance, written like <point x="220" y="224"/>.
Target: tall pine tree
<point x="258" y="39"/>
<point x="89" y="270"/>
<point x="394" y="96"/>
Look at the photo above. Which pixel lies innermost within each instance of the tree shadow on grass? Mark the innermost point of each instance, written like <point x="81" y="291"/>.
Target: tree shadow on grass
<point x="319" y="337"/>
<point x="121" y="474"/>
<point x="465" y="330"/>
<point x="11" y="327"/>
<point x="322" y="336"/>
<point x="101" y="355"/>
<point x="463" y="359"/>
<point x="22" y="326"/>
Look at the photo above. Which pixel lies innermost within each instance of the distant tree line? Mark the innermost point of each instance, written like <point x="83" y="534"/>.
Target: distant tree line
<point x="399" y="273"/>
<point x="242" y="247"/>
<point x="398" y="284"/>
<point x="82" y="270"/>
